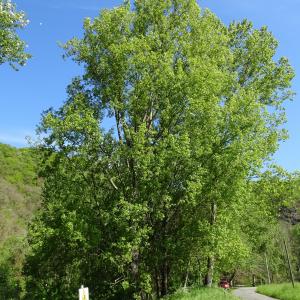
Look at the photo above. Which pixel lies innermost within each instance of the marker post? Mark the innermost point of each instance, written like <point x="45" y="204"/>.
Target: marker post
<point x="83" y="293"/>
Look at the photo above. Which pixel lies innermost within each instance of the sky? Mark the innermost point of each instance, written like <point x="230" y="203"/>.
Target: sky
<point x="42" y="82"/>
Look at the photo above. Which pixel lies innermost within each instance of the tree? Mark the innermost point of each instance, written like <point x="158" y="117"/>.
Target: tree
<point x="12" y="48"/>
<point x="261" y="223"/>
<point x="196" y="109"/>
<point x="19" y="198"/>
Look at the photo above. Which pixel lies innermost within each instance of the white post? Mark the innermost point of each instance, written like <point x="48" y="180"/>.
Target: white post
<point x="83" y="293"/>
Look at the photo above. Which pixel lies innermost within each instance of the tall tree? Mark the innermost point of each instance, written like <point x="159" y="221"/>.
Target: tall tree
<point x="12" y="48"/>
<point x="195" y="108"/>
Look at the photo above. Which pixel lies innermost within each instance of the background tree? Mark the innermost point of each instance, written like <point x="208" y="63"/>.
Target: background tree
<point x="19" y="194"/>
<point x="262" y="223"/>
<point x="196" y="109"/>
<point x="19" y="199"/>
<point x="12" y="48"/>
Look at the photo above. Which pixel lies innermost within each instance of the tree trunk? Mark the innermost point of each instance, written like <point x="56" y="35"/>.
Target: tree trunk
<point x="209" y="274"/>
<point x="232" y="275"/>
<point x="187" y="275"/>
<point x="164" y="279"/>
<point x="210" y="260"/>
<point x="267" y="267"/>
<point x="157" y="283"/>
<point x="253" y="280"/>
<point x="135" y="268"/>
<point x="186" y="279"/>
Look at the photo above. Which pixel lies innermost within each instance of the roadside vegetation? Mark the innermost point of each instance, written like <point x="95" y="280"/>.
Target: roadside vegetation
<point x="203" y="294"/>
<point x="284" y="291"/>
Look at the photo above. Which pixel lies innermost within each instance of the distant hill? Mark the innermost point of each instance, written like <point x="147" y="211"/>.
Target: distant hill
<point x="18" y="166"/>
<point x="19" y="199"/>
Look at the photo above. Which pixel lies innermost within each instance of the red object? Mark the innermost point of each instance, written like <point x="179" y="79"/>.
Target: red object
<point x="224" y="284"/>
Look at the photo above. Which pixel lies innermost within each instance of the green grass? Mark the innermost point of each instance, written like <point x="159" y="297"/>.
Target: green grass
<point x="283" y="291"/>
<point x="203" y="294"/>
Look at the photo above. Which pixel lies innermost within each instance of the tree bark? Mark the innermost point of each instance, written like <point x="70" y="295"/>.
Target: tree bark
<point x="164" y="279"/>
<point x="209" y="274"/>
<point x="186" y="279"/>
<point x="187" y="275"/>
<point x="135" y="267"/>
<point x="157" y="283"/>
<point x="267" y="267"/>
<point x="231" y="278"/>
<point x="210" y="260"/>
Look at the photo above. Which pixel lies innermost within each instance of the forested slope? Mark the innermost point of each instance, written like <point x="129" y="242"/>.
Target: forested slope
<point x="19" y="198"/>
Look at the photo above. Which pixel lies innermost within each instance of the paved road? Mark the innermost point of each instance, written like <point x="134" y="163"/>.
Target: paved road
<point x="248" y="293"/>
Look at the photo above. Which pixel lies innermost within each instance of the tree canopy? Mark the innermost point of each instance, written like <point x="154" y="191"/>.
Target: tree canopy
<point x="196" y="109"/>
<point x="12" y="48"/>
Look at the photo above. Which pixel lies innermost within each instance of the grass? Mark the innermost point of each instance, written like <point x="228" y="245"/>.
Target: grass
<point x="202" y="294"/>
<point x="283" y="291"/>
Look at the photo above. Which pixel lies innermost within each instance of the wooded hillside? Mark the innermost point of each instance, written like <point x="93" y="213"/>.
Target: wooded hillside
<point x="19" y="198"/>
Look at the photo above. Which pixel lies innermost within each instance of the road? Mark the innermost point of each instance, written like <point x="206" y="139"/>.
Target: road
<point x="248" y="293"/>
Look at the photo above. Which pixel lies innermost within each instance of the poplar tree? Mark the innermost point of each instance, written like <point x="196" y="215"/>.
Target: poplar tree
<point x="195" y="108"/>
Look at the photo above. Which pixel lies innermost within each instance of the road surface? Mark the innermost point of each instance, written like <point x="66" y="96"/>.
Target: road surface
<point x="248" y="293"/>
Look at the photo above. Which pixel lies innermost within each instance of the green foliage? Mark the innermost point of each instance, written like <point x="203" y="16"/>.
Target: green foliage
<point x="202" y="294"/>
<point x="19" y="198"/>
<point x="293" y="238"/>
<point x="262" y="231"/>
<point x="11" y="263"/>
<point x="196" y="109"/>
<point x="18" y="166"/>
<point x="12" y="49"/>
<point x="280" y="291"/>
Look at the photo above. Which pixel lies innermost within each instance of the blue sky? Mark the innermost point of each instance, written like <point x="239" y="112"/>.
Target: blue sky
<point x="41" y="84"/>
